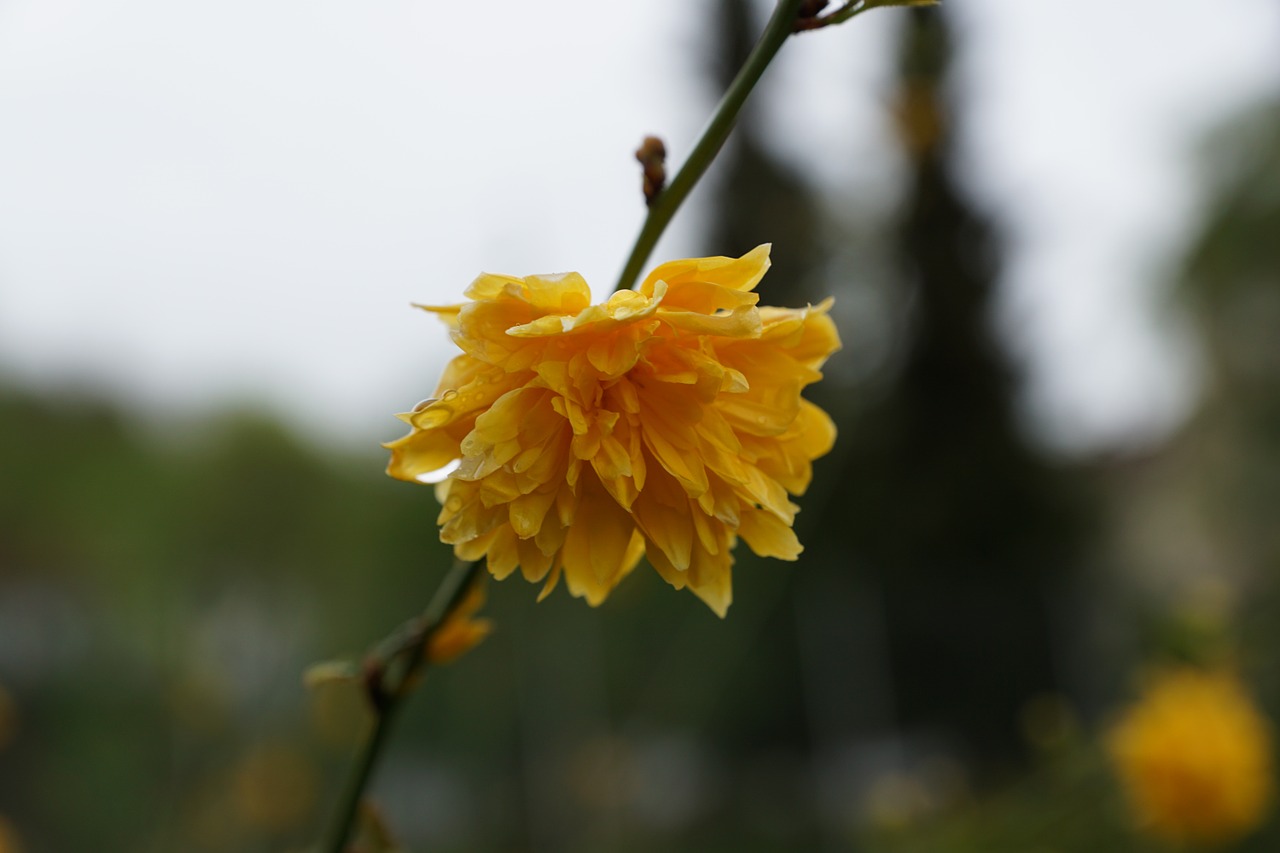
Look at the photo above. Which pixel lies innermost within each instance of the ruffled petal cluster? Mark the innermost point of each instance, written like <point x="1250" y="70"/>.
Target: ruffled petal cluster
<point x="571" y="439"/>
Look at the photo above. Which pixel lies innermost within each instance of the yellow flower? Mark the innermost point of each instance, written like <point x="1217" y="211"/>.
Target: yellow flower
<point x="666" y="421"/>
<point x="1194" y="756"/>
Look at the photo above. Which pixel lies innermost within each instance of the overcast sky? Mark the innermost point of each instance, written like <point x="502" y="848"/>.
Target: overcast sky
<point x="236" y="201"/>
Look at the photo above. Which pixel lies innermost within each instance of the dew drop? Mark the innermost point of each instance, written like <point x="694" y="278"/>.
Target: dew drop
<point x="436" y="416"/>
<point x="453" y="503"/>
<point x="449" y="396"/>
<point x="422" y="404"/>
<point x="440" y="473"/>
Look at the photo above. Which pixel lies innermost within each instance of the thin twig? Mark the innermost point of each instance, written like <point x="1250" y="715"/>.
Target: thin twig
<point x="713" y="137"/>
<point x="390" y="670"/>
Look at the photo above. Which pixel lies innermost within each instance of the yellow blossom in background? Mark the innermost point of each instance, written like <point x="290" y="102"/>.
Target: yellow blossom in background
<point x="1194" y="757"/>
<point x="274" y="787"/>
<point x="8" y="837"/>
<point x="666" y="421"/>
<point x="461" y="631"/>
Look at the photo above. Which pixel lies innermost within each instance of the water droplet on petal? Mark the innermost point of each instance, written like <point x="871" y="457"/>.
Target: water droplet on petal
<point x="449" y="396"/>
<point x="422" y="404"/>
<point x="440" y="473"/>
<point x="437" y="415"/>
<point x="453" y="503"/>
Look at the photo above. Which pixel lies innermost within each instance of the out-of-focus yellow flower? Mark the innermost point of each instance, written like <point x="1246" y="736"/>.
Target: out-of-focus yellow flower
<point x="461" y="631"/>
<point x="1194" y="756"/>
<point x="8" y="837"/>
<point x="666" y="421"/>
<point x="274" y="787"/>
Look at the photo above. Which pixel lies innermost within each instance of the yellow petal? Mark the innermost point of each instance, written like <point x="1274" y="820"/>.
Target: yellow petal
<point x="562" y="293"/>
<point x="704" y="297"/>
<point x="421" y="453"/>
<point x="769" y="536"/>
<point x="738" y="273"/>
<point x="528" y="511"/>
<point x="461" y="631"/>
<point x="597" y="546"/>
<point x="738" y="323"/>
<point x="711" y="579"/>
<point x="663" y="513"/>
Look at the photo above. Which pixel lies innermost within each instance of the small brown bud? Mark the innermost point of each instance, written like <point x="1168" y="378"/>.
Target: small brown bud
<point x="652" y="155"/>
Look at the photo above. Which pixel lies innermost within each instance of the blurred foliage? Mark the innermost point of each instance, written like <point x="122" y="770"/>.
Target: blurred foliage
<point x="934" y="510"/>
<point x="932" y="676"/>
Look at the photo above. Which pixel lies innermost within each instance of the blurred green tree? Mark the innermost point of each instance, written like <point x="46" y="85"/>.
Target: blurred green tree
<point x="952" y="526"/>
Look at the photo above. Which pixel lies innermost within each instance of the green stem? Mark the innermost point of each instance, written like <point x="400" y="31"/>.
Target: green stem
<point x="713" y="138"/>
<point x="393" y="668"/>
<point x="345" y="818"/>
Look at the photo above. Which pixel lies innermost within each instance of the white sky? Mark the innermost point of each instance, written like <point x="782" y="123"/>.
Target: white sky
<point x="207" y="202"/>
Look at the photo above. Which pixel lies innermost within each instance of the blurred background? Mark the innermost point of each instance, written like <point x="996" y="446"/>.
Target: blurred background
<point x="1051" y="235"/>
